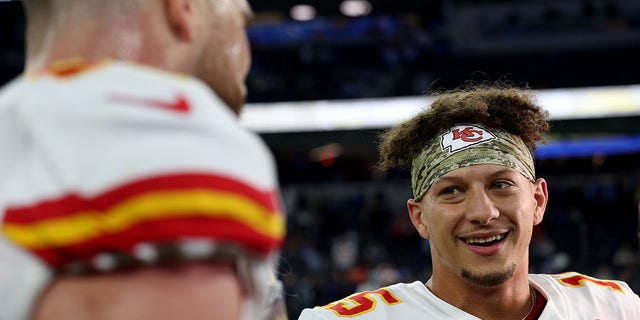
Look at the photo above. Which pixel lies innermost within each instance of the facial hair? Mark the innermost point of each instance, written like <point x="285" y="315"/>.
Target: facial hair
<point x="491" y="279"/>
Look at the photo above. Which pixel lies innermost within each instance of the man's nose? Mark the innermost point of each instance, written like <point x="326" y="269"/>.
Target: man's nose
<point x="481" y="208"/>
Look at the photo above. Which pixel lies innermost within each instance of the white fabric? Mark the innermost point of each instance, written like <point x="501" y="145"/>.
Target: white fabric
<point x="69" y="129"/>
<point x="22" y="277"/>
<point x="61" y="135"/>
<point x="564" y="302"/>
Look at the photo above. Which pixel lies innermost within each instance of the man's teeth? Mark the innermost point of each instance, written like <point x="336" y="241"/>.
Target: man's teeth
<point x="485" y="240"/>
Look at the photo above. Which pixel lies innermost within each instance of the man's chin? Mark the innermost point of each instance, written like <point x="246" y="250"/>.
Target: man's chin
<point x="489" y="279"/>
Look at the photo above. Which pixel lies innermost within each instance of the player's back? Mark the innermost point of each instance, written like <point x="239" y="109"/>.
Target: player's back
<point x="113" y="120"/>
<point x="114" y="156"/>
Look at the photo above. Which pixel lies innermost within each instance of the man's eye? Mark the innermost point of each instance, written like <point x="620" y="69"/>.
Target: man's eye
<point x="501" y="184"/>
<point x="450" y="190"/>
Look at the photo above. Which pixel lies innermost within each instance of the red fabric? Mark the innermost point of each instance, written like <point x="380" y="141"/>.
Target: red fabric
<point x="541" y="301"/>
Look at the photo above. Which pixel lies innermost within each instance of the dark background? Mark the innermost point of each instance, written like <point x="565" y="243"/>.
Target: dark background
<point x="347" y="223"/>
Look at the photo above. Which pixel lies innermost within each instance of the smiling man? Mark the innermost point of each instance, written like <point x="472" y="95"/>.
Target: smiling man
<point x="477" y="200"/>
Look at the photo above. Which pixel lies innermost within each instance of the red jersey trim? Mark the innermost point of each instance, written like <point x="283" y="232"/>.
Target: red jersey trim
<point x="154" y="209"/>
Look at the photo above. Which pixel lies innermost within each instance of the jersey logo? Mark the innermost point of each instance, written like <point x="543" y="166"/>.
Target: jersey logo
<point x="178" y="104"/>
<point x="463" y="136"/>
<point x="578" y="280"/>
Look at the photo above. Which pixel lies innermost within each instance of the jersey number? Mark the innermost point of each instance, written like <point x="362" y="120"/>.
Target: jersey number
<point x="360" y="303"/>
<point x="578" y="280"/>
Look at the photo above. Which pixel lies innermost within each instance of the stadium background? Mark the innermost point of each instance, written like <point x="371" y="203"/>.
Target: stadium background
<point x="347" y="223"/>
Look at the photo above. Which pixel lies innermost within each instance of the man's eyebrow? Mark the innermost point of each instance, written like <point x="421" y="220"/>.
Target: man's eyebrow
<point x="451" y="178"/>
<point x="456" y="178"/>
<point x="503" y="171"/>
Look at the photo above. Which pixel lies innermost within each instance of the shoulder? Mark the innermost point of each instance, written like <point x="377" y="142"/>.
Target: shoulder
<point x="142" y="148"/>
<point x="171" y="123"/>
<point x="608" y="298"/>
<point x="361" y="305"/>
<point x="146" y="123"/>
<point x="10" y="90"/>
<point x="574" y="283"/>
<point x="180" y="102"/>
<point x="398" y="301"/>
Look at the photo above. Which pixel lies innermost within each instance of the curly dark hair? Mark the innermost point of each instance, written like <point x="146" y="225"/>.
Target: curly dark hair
<point x="495" y="106"/>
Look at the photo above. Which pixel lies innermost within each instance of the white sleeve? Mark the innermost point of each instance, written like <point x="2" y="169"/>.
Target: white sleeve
<point x="22" y="276"/>
<point x="22" y="279"/>
<point x="312" y="314"/>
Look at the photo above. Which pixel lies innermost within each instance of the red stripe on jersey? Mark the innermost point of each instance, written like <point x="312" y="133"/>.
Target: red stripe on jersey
<point x="73" y="203"/>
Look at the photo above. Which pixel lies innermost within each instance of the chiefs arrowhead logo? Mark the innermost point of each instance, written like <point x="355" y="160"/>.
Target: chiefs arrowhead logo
<point x="463" y="136"/>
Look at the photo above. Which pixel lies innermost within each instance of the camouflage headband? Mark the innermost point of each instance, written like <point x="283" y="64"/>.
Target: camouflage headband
<point x="467" y="145"/>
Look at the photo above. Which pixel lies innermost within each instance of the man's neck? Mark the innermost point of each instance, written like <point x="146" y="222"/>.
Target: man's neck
<point x="509" y="300"/>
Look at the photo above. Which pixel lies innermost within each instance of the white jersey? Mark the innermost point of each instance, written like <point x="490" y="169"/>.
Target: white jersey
<point x="111" y="156"/>
<point x="569" y="296"/>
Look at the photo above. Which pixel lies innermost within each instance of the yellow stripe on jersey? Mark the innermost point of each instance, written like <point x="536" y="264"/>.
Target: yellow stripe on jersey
<point x="82" y="226"/>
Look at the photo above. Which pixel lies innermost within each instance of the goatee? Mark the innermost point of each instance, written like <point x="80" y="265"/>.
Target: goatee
<point x="491" y="279"/>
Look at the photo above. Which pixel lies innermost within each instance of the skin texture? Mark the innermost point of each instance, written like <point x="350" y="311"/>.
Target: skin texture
<point x="479" y="202"/>
<point x="224" y="66"/>
<point x="201" y="38"/>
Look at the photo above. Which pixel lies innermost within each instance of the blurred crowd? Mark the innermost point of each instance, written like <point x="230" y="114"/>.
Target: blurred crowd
<point x="544" y="44"/>
<point x="347" y="235"/>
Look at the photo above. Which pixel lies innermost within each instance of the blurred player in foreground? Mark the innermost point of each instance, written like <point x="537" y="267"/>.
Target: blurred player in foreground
<point x="477" y="199"/>
<point x="128" y="190"/>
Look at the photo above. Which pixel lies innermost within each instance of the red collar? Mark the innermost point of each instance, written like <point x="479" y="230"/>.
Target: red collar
<point x="541" y="301"/>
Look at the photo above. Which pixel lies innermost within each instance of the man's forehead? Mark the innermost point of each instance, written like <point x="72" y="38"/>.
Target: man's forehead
<point x="479" y="169"/>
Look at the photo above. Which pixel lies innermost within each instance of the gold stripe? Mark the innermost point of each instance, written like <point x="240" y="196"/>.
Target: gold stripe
<point x="83" y="226"/>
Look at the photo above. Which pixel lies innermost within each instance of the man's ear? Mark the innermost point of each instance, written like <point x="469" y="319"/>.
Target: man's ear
<point x="179" y="14"/>
<point x="540" y="196"/>
<point x="415" y="214"/>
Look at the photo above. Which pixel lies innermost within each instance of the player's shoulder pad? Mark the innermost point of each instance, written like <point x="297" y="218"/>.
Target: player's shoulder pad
<point x="575" y="280"/>
<point x="611" y="299"/>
